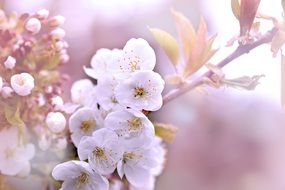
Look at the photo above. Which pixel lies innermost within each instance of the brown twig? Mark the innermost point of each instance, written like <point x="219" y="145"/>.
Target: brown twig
<point x="241" y="49"/>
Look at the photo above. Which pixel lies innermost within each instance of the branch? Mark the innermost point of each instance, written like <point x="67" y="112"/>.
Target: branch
<point x="241" y="49"/>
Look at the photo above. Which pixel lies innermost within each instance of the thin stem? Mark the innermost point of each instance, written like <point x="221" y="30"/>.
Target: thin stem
<point x="240" y="50"/>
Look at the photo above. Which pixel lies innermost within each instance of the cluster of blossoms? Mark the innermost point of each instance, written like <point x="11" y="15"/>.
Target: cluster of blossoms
<point x="31" y="48"/>
<point x="115" y="140"/>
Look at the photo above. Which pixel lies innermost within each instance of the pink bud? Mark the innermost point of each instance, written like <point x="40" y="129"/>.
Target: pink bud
<point x="56" y="21"/>
<point x="64" y="58"/>
<point x="57" y="34"/>
<point x="42" y="14"/>
<point x="59" y="45"/>
<point x="10" y="62"/>
<point x="33" y="25"/>
<point x="7" y="92"/>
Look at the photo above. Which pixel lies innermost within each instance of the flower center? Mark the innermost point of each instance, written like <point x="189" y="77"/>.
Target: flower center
<point x="83" y="178"/>
<point x="130" y="155"/>
<point x="86" y="125"/>
<point x="114" y="100"/>
<point x="99" y="152"/>
<point x="135" y="123"/>
<point x="139" y="91"/>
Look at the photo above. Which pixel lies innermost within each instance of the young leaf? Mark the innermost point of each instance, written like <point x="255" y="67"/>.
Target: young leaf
<point x="186" y="33"/>
<point x="168" y="43"/>
<point x="248" y="9"/>
<point x="165" y="131"/>
<point x="235" y="8"/>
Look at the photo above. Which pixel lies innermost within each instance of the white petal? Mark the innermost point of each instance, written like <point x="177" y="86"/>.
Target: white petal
<point x="68" y="170"/>
<point x="86" y="146"/>
<point x="137" y="176"/>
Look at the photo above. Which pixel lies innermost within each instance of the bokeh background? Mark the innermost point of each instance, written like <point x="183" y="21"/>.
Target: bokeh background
<point x="227" y="138"/>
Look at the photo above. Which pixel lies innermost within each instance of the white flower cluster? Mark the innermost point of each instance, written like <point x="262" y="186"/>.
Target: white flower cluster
<point x="14" y="156"/>
<point x="110" y="129"/>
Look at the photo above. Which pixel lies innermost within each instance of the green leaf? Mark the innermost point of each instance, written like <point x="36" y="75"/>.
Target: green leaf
<point x="235" y="8"/>
<point x="168" y="43"/>
<point x="165" y="131"/>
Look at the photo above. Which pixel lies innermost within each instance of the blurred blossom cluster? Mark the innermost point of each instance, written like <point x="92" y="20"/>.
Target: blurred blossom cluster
<point x="109" y="123"/>
<point x="32" y="46"/>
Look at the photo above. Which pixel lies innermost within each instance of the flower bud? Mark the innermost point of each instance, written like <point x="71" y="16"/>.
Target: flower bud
<point x="61" y="143"/>
<point x="56" y="121"/>
<point x="56" y="21"/>
<point x="7" y="92"/>
<point x="33" y="25"/>
<point x="22" y="83"/>
<point x="44" y="143"/>
<point x="59" y="45"/>
<point x="10" y="62"/>
<point x="57" y="102"/>
<point x="64" y="58"/>
<point x="58" y="34"/>
<point x="42" y="14"/>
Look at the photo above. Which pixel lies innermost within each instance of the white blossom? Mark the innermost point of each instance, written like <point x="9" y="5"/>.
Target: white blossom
<point x="106" y="93"/>
<point x="10" y="62"/>
<point x="102" y="61"/>
<point x="80" y="89"/>
<point x="55" y="121"/>
<point x="7" y="92"/>
<point x="137" y="55"/>
<point x="141" y="165"/>
<point x="131" y="125"/>
<point x="141" y="91"/>
<point x="103" y="150"/>
<point x="77" y="175"/>
<point x="83" y="122"/>
<point x="14" y="156"/>
<point x="22" y="84"/>
<point x="33" y="25"/>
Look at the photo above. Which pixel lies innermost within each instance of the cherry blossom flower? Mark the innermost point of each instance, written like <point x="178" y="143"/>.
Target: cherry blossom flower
<point x="102" y="61"/>
<point x="131" y="125"/>
<point x="106" y="93"/>
<point x="141" y="91"/>
<point x="83" y="122"/>
<point x="10" y="62"/>
<point x="137" y="55"/>
<point x="14" y="156"/>
<point x="55" y="121"/>
<point x="141" y="165"/>
<point x="103" y="150"/>
<point x="22" y="83"/>
<point x="78" y="175"/>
